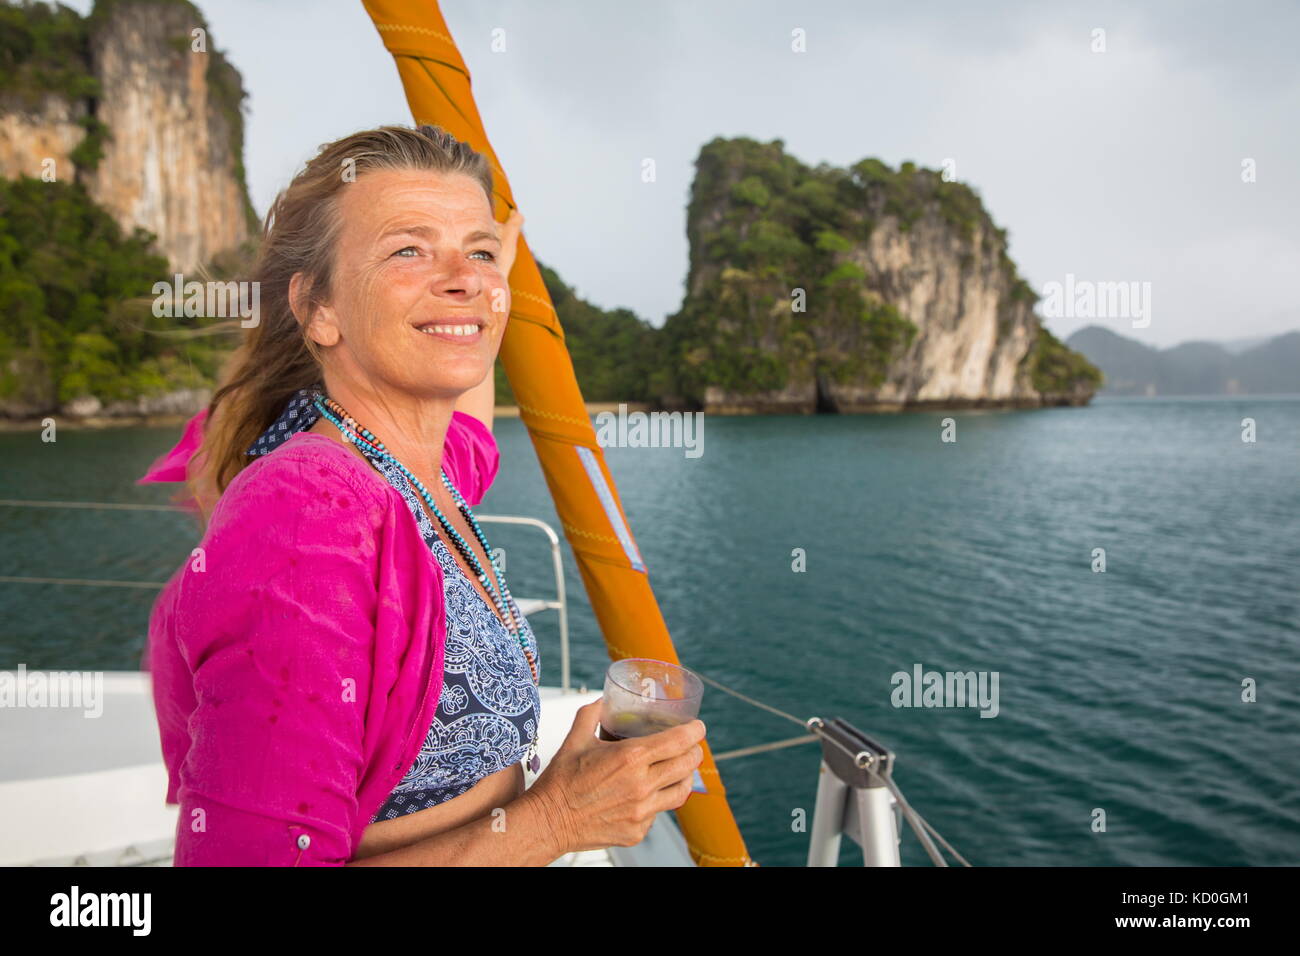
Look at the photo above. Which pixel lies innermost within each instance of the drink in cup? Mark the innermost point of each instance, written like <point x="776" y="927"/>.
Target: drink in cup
<point x="644" y="696"/>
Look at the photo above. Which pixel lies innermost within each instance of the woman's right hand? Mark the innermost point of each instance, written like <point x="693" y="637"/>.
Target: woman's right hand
<point x="600" y="793"/>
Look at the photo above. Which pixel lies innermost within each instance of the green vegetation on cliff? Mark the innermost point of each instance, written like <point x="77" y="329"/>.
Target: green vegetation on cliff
<point x="1056" y="369"/>
<point x="613" y="352"/>
<point x="44" y="49"/>
<point x="76" y="313"/>
<point x="776" y="294"/>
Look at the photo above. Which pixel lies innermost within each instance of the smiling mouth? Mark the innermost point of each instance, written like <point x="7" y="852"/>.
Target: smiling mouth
<point x="466" y="329"/>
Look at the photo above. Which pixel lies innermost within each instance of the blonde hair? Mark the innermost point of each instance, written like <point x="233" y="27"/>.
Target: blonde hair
<point x="276" y="358"/>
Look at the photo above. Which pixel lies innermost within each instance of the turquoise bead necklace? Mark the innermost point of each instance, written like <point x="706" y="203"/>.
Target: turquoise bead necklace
<point x="366" y="441"/>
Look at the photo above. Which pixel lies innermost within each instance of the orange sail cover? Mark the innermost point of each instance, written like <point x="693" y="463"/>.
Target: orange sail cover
<point x="537" y="363"/>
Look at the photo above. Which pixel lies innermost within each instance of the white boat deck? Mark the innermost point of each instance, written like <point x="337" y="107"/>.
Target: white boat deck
<point x="77" y="790"/>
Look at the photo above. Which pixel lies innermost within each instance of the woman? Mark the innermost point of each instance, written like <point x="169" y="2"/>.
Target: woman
<point x="340" y="673"/>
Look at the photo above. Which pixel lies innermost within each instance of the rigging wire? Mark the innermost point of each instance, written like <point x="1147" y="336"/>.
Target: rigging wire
<point x="915" y="820"/>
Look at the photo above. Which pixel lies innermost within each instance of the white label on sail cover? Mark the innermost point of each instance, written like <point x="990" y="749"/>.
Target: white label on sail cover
<point x="601" y="487"/>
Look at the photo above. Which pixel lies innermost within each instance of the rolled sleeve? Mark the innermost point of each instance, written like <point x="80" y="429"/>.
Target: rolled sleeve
<point x="278" y="632"/>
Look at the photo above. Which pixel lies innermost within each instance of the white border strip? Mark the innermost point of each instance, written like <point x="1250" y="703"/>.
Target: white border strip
<point x="597" y="479"/>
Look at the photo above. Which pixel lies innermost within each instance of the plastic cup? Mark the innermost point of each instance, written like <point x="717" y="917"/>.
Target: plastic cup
<point x="644" y="696"/>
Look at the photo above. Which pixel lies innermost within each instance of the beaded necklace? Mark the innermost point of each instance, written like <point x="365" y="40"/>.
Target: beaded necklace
<point x="367" y="442"/>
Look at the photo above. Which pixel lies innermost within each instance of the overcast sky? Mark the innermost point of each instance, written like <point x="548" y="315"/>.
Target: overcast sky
<point x="1122" y="165"/>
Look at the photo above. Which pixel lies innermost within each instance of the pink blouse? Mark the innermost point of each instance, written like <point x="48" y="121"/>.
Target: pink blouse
<point x="297" y="656"/>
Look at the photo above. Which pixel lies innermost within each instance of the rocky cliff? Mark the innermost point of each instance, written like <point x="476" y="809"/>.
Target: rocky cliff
<point x="853" y="290"/>
<point x="139" y="108"/>
<point x="31" y="129"/>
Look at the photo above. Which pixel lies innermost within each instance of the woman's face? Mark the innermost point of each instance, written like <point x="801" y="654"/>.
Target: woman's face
<point x="418" y="304"/>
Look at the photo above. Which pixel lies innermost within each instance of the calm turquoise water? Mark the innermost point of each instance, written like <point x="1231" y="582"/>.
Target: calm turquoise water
<point x="1118" y="690"/>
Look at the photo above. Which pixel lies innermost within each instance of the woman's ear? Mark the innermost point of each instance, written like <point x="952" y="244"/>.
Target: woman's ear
<point x="319" y="321"/>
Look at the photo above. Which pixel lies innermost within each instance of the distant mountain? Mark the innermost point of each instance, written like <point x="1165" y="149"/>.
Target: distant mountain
<point x="1237" y="346"/>
<point x="1269" y="367"/>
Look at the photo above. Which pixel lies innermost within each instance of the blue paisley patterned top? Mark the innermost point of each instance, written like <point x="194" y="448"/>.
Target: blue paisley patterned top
<point x="489" y="708"/>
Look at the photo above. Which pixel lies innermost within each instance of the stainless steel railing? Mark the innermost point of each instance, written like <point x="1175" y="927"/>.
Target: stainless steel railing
<point x="559" y="603"/>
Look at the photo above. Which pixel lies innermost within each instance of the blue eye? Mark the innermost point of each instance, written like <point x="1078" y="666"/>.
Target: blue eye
<point x="400" y="251"/>
<point x="487" y="252"/>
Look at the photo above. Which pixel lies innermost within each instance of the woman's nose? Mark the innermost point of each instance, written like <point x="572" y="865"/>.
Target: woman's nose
<point x="454" y="274"/>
